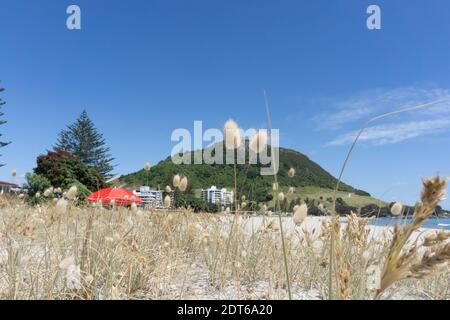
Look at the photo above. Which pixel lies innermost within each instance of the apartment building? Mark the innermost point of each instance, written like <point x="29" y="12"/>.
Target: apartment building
<point x="217" y="196"/>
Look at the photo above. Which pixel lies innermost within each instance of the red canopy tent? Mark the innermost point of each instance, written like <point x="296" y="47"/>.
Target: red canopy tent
<point x="120" y="196"/>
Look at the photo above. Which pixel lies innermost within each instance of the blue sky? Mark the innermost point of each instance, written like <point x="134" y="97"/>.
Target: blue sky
<point x="144" y="68"/>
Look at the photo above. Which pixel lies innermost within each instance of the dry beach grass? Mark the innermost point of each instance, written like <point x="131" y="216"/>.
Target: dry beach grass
<point x="56" y="251"/>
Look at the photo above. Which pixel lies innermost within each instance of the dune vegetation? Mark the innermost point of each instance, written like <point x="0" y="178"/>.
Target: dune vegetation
<point x="60" y="250"/>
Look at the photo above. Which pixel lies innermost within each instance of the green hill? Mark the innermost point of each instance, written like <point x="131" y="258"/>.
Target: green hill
<point x="250" y="183"/>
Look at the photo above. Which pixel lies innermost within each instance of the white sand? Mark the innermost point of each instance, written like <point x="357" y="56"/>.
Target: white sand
<point x="314" y="223"/>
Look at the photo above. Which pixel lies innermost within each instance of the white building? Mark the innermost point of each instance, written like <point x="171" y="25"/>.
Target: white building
<point x="7" y="187"/>
<point x="150" y="198"/>
<point x="217" y="196"/>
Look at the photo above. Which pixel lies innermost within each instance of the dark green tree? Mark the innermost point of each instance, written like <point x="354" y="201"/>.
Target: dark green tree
<point x="2" y="103"/>
<point x="82" y="140"/>
<point x="63" y="170"/>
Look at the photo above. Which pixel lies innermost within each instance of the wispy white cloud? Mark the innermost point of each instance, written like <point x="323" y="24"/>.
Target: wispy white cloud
<point x="394" y="133"/>
<point x="349" y="114"/>
<point x="361" y="107"/>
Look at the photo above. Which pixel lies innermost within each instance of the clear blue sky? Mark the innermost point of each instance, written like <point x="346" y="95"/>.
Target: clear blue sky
<point x="144" y="68"/>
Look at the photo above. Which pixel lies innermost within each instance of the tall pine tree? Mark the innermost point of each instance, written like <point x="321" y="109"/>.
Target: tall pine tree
<point x="2" y="103"/>
<point x="82" y="140"/>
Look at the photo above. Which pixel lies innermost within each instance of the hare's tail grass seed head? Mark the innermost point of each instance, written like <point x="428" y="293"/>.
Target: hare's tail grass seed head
<point x="183" y="184"/>
<point x="61" y="206"/>
<point x="396" y="209"/>
<point x="291" y="173"/>
<point x="232" y="135"/>
<point x="176" y="180"/>
<point x="72" y="192"/>
<point x="300" y="214"/>
<point x="167" y="201"/>
<point x="258" y="142"/>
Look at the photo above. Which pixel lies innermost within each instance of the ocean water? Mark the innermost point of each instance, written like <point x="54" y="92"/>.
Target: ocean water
<point x="434" y="223"/>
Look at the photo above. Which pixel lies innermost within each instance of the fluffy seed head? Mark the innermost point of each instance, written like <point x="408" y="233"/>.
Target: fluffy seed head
<point x="67" y="262"/>
<point x="176" y="180"/>
<point x="37" y="195"/>
<point x="232" y="135"/>
<point x="396" y="209"/>
<point x="291" y="173"/>
<point x="89" y="278"/>
<point x="72" y="193"/>
<point x="433" y="191"/>
<point x="281" y="196"/>
<point x="61" y="206"/>
<point x="147" y="166"/>
<point x="134" y="207"/>
<point x="291" y="190"/>
<point x="259" y="141"/>
<point x="48" y="192"/>
<point x="275" y="186"/>
<point x="183" y="184"/>
<point x="168" y="189"/>
<point x="167" y="201"/>
<point x="300" y="214"/>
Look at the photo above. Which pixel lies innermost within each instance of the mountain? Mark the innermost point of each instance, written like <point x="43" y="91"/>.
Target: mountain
<point x="250" y="182"/>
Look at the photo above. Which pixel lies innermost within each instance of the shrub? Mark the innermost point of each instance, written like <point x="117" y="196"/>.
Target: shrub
<point x="35" y="183"/>
<point x="344" y="210"/>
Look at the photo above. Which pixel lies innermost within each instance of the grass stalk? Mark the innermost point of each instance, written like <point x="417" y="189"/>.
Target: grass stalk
<point x="341" y="173"/>
<point x="283" y="245"/>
